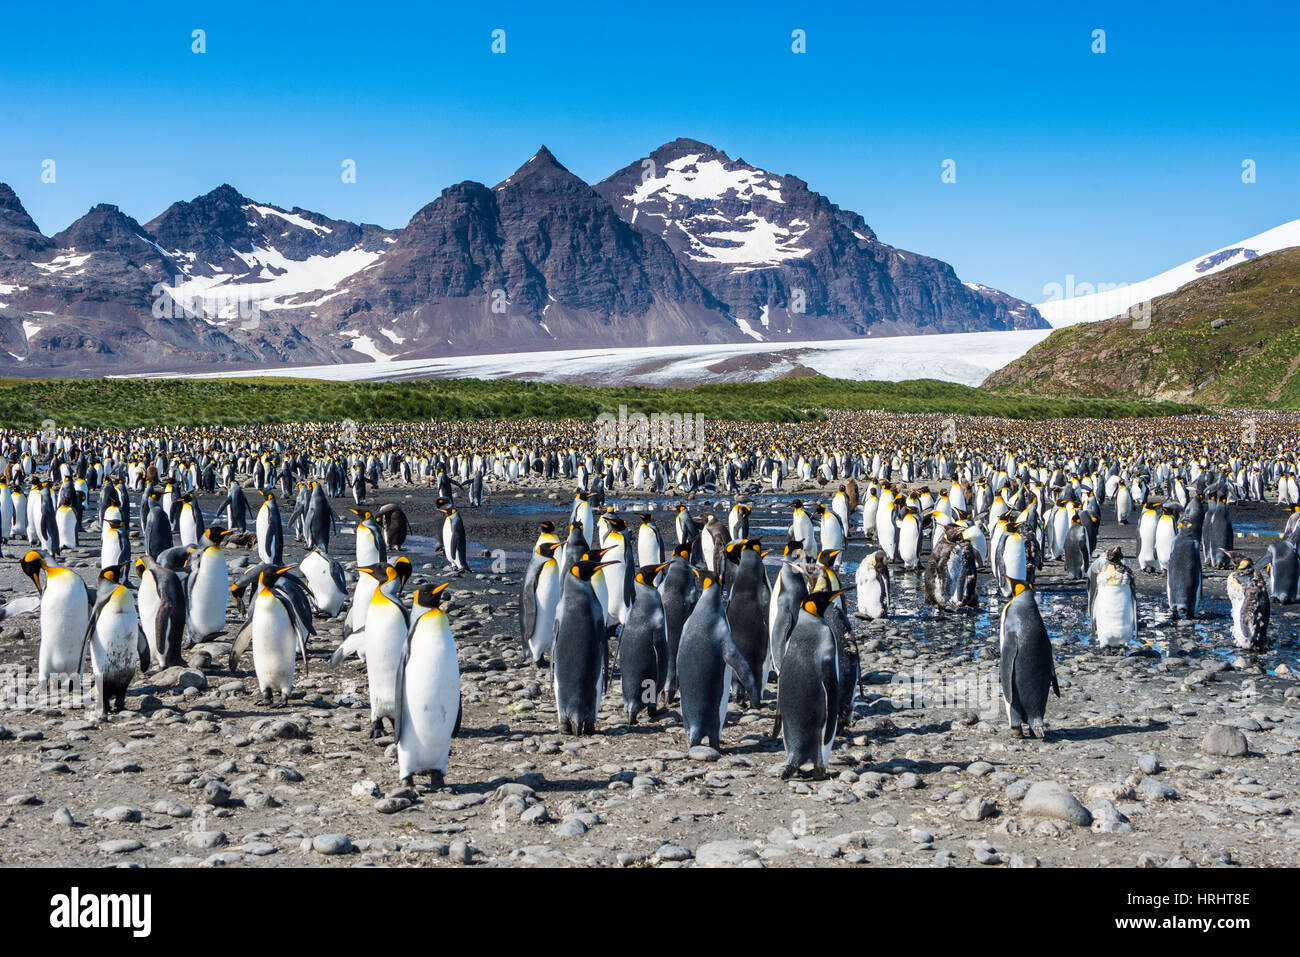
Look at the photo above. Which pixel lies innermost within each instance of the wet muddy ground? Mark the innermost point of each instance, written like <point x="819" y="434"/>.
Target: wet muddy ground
<point x="194" y="772"/>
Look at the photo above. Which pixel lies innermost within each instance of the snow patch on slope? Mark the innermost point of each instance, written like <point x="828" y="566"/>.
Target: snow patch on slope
<point x="1105" y="303"/>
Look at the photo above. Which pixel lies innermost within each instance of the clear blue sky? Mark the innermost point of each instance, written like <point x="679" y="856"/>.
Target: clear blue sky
<point x="1110" y="167"/>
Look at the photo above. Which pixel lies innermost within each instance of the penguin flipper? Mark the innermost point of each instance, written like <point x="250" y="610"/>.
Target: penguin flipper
<point x="1007" y="668"/>
<point x="460" y="713"/>
<point x="399" y="697"/>
<point x="350" y="645"/>
<point x="831" y="692"/>
<point x="732" y="656"/>
<point x="142" y="649"/>
<point x="242" y="640"/>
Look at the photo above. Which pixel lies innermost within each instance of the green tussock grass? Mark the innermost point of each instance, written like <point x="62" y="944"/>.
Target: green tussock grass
<point x="1251" y="360"/>
<point x="140" y="403"/>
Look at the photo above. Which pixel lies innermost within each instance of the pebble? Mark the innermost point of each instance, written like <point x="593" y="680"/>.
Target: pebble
<point x="673" y="852"/>
<point x="1225" y="741"/>
<point x="1048" y="799"/>
<point x="204" y="839"/>
<point x="977" y="809"/>
<point x="571" y="827"/>
<point x="1157" y="790"/>
<point x="330" y="844"/>
<point x="1149" y="764"/>
<point x="725" y="853"/>
<point x="125" y="846"/>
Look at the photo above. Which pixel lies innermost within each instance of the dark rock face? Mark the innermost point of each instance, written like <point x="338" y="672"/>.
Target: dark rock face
<point x="19" y="237"/>
<point x="685" y="246"/>
<point x="789" y="263"/>
<point x="538" y="261"/>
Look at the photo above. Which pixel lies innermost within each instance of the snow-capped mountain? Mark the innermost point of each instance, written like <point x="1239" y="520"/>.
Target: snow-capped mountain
<point x="686" y="247"/>
<point x="789" y="263"/>
<point x="539" y="259"/>
<point x="83" y="301"/>
<point x="1066" y="310"/>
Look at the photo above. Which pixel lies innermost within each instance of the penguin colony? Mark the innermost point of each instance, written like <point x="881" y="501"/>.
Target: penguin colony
<point x="668" y="608"/>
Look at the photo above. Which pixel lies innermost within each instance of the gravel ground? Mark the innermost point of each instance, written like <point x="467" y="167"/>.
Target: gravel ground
<point x="1141" y="767"/>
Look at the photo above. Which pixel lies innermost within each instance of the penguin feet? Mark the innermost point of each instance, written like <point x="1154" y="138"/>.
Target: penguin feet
<point x="436" y="782"/>
<point x="408" y="781"/>
<point x="377" y="728"/>
<point x="1016" y="731"/>
<point x="541" y="664"/>
<point x="789" y="771"/>
<point x="265" y="699"/>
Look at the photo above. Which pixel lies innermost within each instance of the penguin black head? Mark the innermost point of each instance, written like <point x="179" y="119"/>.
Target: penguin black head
<point x="683" y="551"/>
<point x="378" y="571"/>
<point x="269" y="576"/>
<point x="826" y="557"/>
<point x="817" y="602"/>
<point x="547" y="549"/>
<point x="645" y="575"/>
<point x="796" y="505"/>
<point x="595" y="555"/>
<point x="113" y="573"/>
<point x="403" y="567"/>
<point x="646" y="518"/>
<point x="548" y="528"/>
<point x="430" y="596"/>
<point x="1116" y="554"/>
<point x="1019" y="586"/>
<point x="585" y="568"/>
<point x="32" y="565"/>
<point x="733" y="550"/>
<point x="215" y="534"/>
<point x="707" y="580"/>
<point x="793" y="549"/>
<point x="617" y="524"/>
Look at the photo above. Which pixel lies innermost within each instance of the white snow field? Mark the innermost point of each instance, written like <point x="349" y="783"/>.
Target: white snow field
<point x="1103" y="304"/>
<point x="962" y="357"/>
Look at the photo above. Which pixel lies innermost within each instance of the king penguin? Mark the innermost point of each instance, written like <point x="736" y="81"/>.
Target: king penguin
<point x="1028" y="667"/>
<point x="1248" y="594"/>
<point x="748" y="608"/>
<point x="678" y="591"/>
<point x="707" y="661"/>
<point x="1283" y="571"/>
<point x="65" y="612"/>
<point x="808" y="690"/>
<point x="1112" y="602"/>
<point x="1183" y="573"/>
<point x="579" y="660"/>
<point x="643" y="648"/>
<point x="116" y="642"/>
<point x="428" y="712"/>
<point x="538" y="601"/>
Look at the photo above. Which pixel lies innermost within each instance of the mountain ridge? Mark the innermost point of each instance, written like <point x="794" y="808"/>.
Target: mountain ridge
<point x="541" y="260"/>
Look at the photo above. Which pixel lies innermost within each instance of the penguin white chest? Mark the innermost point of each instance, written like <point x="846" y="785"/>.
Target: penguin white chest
<point x="64" y="617"/>
<point x="209" y="594"/>
<point x="430" y="699"/>
<point x="274" y="645"/>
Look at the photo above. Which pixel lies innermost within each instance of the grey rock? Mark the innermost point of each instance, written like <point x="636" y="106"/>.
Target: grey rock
<point x="1225" y="741"/>
<point x="1048" y="799"/>
<point x="977" y="809"/>
<point x="330" y="844"/>
<point x="725" y="853"/>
